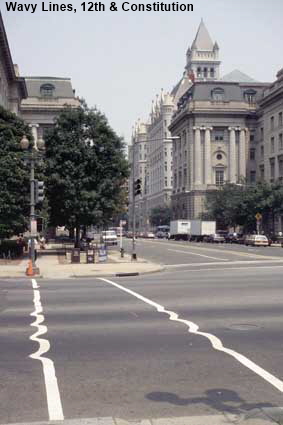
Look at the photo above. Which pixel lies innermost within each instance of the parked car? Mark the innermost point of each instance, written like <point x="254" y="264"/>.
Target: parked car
<point x="149" y="235"/>
<point x="233" y="237"/>
<point x="109" y="237"/>
<point x="215" y="238"/>
<point x="257" y="240"/>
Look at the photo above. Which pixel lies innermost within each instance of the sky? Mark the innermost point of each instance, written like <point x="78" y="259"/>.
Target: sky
<point x="118" y="61"/>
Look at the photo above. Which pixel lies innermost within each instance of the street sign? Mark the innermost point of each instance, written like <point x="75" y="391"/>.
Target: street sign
<point x="258" y="216"/>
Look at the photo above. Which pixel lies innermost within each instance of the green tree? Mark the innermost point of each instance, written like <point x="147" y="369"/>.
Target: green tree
<point x="234" y="205"/>
<point x="14" y="175"/>
<point x="85" y="168"/>
<point x="160" y="216"/>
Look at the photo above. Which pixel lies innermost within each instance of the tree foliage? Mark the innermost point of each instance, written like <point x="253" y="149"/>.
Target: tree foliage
<point x="14" y="175"/>
<point x="85" y="168"/>
<point x="160" y="216"/>
<point x="235" y="205"/>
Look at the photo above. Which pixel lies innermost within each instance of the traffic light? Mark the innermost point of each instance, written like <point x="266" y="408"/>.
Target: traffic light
<point x="137" y="187"/>
<point x="39" y="191"/>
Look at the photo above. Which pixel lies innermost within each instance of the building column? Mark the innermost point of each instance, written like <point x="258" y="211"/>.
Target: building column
<point x="232" y="155"/>
<point x="198" y="167"/>
<point x="207" y="156"/>
<point x="242" y="153"/>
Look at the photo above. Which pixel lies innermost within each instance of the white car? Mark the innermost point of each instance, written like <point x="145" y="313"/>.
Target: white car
<point x="109" y="237"/>
<point x="257" y="240"/>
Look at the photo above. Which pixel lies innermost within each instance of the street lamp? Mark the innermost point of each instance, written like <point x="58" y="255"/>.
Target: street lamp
<point x="32" y="154"/>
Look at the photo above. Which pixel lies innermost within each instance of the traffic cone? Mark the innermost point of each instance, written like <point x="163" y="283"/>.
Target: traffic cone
<point x="29" y="270"/>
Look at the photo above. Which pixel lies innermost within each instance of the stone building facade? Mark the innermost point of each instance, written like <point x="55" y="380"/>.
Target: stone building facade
<point x="137" y="156"/>
<point x="12" y="86"/>
<point x="46" y="97"/>
<point x="159" y="148"/>
<point x="216" y="123"/>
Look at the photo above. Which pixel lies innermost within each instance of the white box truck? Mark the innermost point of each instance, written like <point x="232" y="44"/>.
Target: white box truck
<point x="180" y="229"/>
<point x="200" y="228"/>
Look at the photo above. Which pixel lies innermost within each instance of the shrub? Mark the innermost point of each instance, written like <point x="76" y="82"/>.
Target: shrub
<point x="10" y="249"/>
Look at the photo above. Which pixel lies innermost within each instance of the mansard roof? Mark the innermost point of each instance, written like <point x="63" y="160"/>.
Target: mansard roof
<point x="203" y="40"/>
<point x="238" y="76"/>
<point x="62" y="86"/>
<point x="231" y="91"/>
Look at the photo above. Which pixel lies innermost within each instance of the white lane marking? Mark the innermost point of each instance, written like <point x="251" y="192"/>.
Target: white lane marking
<point x="172" y="266"/>
<point x="226" y="268"/>
<point x="215" y="341"/>
<point x="54" y="404"/>
<point x="194" y="253"/>
<point x="223" y="248"/>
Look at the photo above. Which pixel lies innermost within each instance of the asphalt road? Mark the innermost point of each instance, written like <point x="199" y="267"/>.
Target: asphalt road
<point x="118" y="347"/>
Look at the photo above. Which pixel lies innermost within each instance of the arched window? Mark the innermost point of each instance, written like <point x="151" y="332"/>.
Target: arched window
<point x="250" y="96"/>
<point x="47" y="90"/>
<point x="218" y="94"/>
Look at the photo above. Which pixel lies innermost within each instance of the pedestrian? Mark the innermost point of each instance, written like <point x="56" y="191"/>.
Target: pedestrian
<point x="35" y="248"/>
<point x="42" y="242"/>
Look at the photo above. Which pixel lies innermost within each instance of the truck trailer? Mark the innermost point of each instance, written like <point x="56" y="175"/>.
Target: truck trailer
<point x="180" y="229"/>
<point x="200" y="228"/>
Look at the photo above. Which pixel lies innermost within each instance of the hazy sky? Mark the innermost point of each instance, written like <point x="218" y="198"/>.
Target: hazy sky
<point x="119" y="61"/>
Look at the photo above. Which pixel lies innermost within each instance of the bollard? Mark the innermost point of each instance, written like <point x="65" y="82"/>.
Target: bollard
<point x="122" y="251"/>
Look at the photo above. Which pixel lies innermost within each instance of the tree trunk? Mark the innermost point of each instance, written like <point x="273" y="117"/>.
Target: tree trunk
<point x="78" y="236"/>
<point x="72" y="233"/>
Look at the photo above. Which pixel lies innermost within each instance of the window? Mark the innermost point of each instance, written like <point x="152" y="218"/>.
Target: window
<point x="249" y="96"/>
<point x="199" y="72"/>
<point x="252" y="177"/>
<point x="252" y="138"/>
<point x="219" y="177"/>
<point x="272" y="145"/>
<point x="218" y="135"/>
<point x="261" y="133"/>
<point x="272" y="123"/>
<point x="218" y="94"/>
<point x="219" y="156"/>
<point x="261" y="170"/>
<point x="280" y="119"/>
<point x="280" y="167"/>
<point x="280" y="145"/>
<point x="212" y="73"/>
<point x="47" y="90"/>
<point x="205" y="72"/>
<point x="272" y="169"/>
<point x="252" y="154"/>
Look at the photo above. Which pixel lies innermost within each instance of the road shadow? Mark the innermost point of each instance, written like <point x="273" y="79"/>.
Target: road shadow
<point x="220" y="399"/>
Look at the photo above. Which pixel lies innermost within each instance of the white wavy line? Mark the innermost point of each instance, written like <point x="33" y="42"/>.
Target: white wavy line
<point x="51" y="385"/>
<point x="215" y="341"/>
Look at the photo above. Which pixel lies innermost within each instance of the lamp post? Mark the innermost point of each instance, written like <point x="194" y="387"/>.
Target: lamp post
<point x="32" y="154"/>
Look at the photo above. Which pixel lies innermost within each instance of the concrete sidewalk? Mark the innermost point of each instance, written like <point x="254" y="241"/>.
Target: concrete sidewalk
<point x="51" y="266"/>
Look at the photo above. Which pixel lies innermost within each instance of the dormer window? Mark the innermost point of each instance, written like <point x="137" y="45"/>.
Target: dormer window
<point x="249" y="96"/>
<point x="47" y="90"/>
<point x="218" y="94"/>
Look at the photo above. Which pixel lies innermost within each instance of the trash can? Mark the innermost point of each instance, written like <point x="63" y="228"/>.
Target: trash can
<point x="90" y="256"/>
<point x="76" y="255"/>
